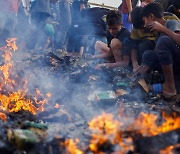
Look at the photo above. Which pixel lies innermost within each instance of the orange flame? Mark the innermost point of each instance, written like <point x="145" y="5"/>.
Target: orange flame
<point x="12" y="100"/>
<point x="108" y="130"/>
<point x="71" y="147"/>
<point x="3" y="116"/>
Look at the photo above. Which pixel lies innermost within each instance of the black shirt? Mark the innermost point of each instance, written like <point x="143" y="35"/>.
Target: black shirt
<point x="124" y="37"/>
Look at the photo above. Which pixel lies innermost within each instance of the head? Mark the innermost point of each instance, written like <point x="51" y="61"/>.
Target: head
<point x="114" y="22"/>
<point x="136" y="18"/>
<point x="151" y="12"/>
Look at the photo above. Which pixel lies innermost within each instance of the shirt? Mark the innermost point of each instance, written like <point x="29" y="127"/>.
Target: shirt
<point x="124" y="37"/>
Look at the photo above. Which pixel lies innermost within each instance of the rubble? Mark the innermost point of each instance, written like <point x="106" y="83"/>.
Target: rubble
<point x="86" y="94"/>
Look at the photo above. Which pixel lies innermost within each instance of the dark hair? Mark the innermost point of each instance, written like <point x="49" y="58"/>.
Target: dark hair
<point x="113" y="18"/>
<point x="176" y="4"/>
<point x="152" y="8"/>
<point x="136" y="17"/>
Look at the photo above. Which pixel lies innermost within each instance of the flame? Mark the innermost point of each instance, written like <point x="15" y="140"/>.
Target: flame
<point x="169" y="149"/>
<point x="13" y="98"/>
<point x="71" y="147"/>
<point x="109" y="131"/>
<point x="57" y="106"/>
<point x="147" y="124"/>
<point x="106" y="131"/>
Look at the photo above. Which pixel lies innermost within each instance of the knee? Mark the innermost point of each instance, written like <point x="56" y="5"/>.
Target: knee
<point x="98" y="46"/>
<point x="163" y="42"/>
<point x="148" y="57"/>
<point x="115" y="44"/>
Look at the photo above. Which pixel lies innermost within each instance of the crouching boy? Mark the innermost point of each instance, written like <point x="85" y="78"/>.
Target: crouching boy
<point x="117" y="49"/>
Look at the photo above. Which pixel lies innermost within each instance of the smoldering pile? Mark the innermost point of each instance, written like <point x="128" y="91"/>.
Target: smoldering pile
<point x="78" y="93"/>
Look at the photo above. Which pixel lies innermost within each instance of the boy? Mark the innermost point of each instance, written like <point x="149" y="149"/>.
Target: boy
<point x="118" y="41"/>
<point x="166" y="56"/>
<point x="142" y="39"/>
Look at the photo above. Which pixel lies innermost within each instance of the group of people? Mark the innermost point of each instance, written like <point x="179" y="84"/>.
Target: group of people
<point x="146" y="37"/>
<point x="153" y="42"/>
<point x="27" y="19"/>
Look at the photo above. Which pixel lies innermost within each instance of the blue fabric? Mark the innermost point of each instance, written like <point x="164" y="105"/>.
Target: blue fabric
<point x="126" y="23"/>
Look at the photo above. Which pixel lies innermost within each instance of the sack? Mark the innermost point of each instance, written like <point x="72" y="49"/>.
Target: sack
<point x="94" y="21"/>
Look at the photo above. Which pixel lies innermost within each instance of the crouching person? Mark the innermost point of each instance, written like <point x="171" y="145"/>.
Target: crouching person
<point x="166" y="56"/>
<point x="117" y="50"/>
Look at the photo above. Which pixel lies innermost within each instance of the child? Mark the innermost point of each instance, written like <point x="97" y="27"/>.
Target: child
<point x="166" y="55"/>
<point x="118" y="40"/>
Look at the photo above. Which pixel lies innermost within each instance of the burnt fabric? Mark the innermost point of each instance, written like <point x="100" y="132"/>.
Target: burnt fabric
<point x="124" y="37"/>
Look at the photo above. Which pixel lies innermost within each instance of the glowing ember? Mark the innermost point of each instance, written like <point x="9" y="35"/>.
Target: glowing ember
<point x="57" y="106"/>
<point x="3" y="116"/>
<point x="169" y="149"/>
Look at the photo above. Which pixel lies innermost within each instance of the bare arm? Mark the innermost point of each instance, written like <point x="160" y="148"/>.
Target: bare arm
<point x="156" y="26"/>
<point x="129" y="5"/>
<point x="123" y="63"/>
<point x="173" y="35"/>
<point x="103" y="55"/>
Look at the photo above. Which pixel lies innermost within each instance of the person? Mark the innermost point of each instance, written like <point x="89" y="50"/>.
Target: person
<point x="117" y="45"/>
<point x="141" y="38"/>
<point x="74" y="45"/>
<point x="175" y="8"/>
<point x="166" y="55"/>
<point x="145" y="2"/>
<point x="126" y="9"/>
<point x="8" y="17"/>
<point x="40" y="11"/>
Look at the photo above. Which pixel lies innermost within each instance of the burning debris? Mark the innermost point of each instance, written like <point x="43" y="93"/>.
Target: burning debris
<point x="57" y="121"/>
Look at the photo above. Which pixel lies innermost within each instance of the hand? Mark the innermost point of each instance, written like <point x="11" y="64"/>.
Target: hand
<point x="100" y="66"/>
<point x="89" y="56"/>
<point x="156" y="26"/>
<point x="129" y="18"/>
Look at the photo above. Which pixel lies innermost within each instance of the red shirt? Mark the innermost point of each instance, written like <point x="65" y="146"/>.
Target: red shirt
<point x="9" y="6"/>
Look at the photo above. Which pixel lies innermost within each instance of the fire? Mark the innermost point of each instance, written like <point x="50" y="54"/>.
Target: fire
<point x="169" y="149"/>
<point x="13" y="97"/>
<point x="3" y="116"/>
<point x="57" y="106"/>
<point x="109" y="132"/>
<point x="71" y="147"/>
<point x="147" y="124"/>
<point x="106" y="131"/>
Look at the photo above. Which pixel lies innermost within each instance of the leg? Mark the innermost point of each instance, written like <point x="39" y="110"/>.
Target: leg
<point x="101" y="47"/>
<point x="143" y="46"/>
<point x="168" y="55"/>
<point x="65" y="23"/>
<point x="134" y="60"/>
<point x="116" y="47"/>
